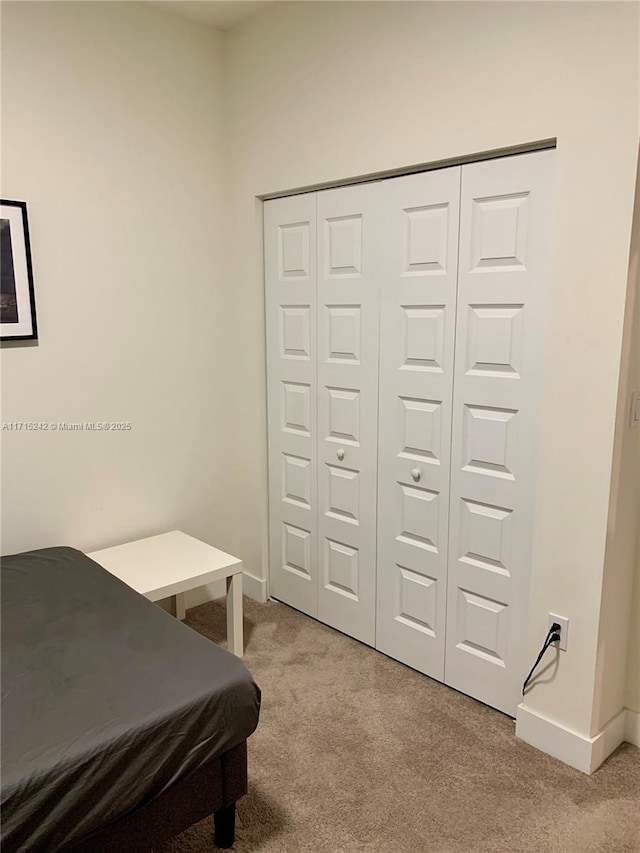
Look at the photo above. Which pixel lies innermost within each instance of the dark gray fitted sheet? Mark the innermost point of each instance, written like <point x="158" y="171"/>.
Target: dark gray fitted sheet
<point x="106" y="699"/>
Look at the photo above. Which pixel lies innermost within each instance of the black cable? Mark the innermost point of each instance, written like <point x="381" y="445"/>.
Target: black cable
<point x="552" y="637"/>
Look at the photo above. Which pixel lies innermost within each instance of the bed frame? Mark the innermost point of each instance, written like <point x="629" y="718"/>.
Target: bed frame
<point x="213" y="788"/>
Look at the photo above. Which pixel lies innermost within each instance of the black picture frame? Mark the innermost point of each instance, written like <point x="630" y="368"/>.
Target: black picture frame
<point x="17" y="296"/>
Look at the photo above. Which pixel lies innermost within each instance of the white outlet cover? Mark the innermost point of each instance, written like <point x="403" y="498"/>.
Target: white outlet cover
<point x="564" y="629"/>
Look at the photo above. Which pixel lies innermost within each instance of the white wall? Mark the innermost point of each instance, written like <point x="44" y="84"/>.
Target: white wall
<point x="614" y="674"/>
<point x="632" y="460"/>
<point x="113" y="134"/>
<point x="632" y="697"/>
<point x="324" y="91"/>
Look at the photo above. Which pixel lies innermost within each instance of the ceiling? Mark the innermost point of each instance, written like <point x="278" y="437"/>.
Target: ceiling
<point x="223" y="14"/>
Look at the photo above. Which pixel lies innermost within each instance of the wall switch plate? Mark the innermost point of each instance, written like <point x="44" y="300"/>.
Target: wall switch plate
<point x="564" y="630"/>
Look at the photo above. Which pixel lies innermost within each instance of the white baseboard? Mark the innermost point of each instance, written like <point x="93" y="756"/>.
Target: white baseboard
<point x="584" y="753"/>
<point x="608" y="740"/>
<point x="632" y="727"/>
<point x="254" y="587"/>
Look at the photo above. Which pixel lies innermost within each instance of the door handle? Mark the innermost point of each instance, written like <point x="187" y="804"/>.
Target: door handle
<point x="416" y="473"/>
<point x="340" y="454"/>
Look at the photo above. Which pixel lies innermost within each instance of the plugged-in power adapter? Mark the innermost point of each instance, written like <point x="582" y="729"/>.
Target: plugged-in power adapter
<point x="564" y="629"/>
<point x="558" y="633"/>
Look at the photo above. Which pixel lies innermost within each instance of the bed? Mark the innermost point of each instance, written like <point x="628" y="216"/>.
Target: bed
<point x="120" y="725"/>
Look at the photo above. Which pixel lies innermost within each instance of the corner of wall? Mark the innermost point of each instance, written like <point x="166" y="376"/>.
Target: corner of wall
<point x="619" y="613"/>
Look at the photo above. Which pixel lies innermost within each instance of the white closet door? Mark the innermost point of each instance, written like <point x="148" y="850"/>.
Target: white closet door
<point x="290" y="272"/>
<point x="505" y="220"/>
<point x="349" y="245"/>
<point x="417" y="331"/>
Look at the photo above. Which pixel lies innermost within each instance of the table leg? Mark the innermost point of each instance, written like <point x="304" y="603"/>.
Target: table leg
<point x="178" y="606"/>
<point x="234" y="614"/>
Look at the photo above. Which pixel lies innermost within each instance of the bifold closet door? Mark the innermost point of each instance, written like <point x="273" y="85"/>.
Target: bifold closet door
<point x="404" y="343"/>
<point x="417" y="331"/>
<point x="350" y="246"/>
<point x="290" y="273"/>
<point x="505" y="229"/>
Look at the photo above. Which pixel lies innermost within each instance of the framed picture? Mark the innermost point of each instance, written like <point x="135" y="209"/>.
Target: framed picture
<point x="17" y="303"/>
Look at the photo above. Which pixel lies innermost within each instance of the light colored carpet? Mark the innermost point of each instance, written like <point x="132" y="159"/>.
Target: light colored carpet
<point x="355" y="752"/>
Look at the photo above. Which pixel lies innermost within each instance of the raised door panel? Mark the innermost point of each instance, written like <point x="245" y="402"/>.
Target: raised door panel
<point x="417" y="329"/>
<point x="503" y="276"/>
<point x="349" y="252"/>
<point x="290" y="273"/>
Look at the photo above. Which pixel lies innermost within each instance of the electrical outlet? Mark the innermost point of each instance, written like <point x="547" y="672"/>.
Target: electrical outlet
<point x="564" y="630"/>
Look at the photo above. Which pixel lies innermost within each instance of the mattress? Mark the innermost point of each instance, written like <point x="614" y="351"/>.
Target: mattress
<point x="106" y="699"/>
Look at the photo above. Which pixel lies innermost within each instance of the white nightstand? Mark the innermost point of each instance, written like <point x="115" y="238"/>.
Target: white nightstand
<point x="173" y="563"/>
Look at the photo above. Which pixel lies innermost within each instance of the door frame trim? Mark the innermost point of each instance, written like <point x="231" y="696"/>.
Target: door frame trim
<point x="492" y="154"/>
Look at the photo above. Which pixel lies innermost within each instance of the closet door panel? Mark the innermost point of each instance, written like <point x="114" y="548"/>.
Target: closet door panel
<point x="503" y="273"/>
<point x="348" y="311"/>
<point x="417" y="331"/>
<point x="290" y="272"/>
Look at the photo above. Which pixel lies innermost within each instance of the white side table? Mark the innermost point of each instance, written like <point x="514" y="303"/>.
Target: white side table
<point x="170" y="565"/>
